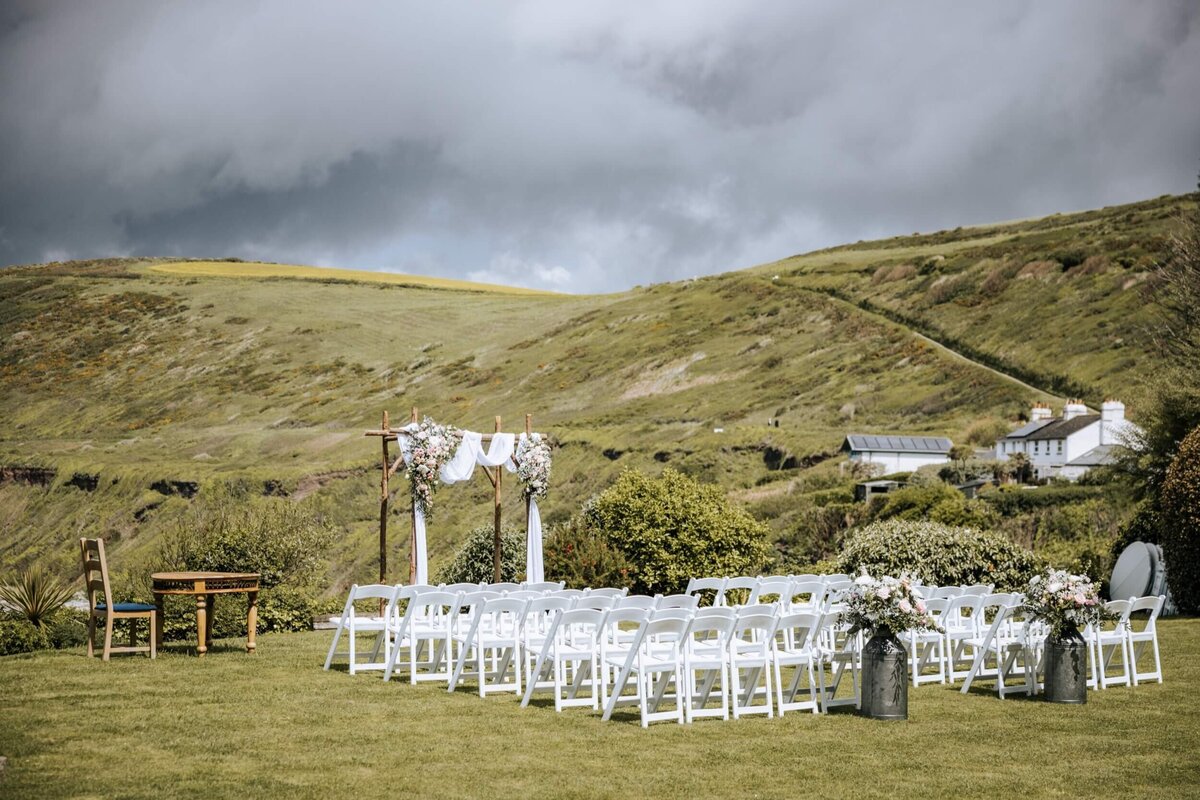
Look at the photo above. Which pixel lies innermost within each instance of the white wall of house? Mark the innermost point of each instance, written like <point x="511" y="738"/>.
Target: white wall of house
<point x="893" y="461"/>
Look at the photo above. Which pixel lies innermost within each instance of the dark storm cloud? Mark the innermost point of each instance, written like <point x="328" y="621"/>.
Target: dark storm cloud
<point x="569" y="145"/>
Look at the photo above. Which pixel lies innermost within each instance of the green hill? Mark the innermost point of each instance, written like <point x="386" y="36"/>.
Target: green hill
<point x="126" y="386"/>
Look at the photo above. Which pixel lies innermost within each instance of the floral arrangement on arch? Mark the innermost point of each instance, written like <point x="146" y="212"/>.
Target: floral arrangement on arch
<point x="886" y="605"/>
<point x="430" y="446"/>
<point x="533" y="466"/>
<point x="1064" y="601"/>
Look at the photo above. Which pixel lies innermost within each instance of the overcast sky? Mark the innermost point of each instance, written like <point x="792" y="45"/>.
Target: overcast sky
<point x="575" y="146"/>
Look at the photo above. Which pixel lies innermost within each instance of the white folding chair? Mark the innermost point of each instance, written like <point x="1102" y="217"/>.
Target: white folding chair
<point x="1147" y="635"/>
<point x="353" y="623"/>
<point x="620" y="628"/>
<point x="737" y="591"/>
<point x="706" y="662"/>
<point x="806" y="596"/>
<point x="751" y="648"/>
<point x="543" y="586"/>
<point x="494" y="637"/>
<point x="928" y="647"/>
<point x="425" y="624"/>
<point x="540" y="616"/>
<point x="838" y="577"/>
<point x="642" y="601"/>
<point x="981" y="589"/>
<point x="947" y="592"/>
<point x="570" y="593"/>
<point x="1105" y="639"/>
<point x="571" y="652"/>
<point x="598" y="602"/>
<point x="841" y="651"/>
<point x="609" y="592"/>
<point x="1005" y="641"/>
<point x="714" y="585"/>
<point x="961" y="623"/>
<point x="775" y="589"/>
<point x="797" y="646"/>
<point x="655" y="662"/>
<point x="502" y="586"/>
<point x="464" y="588"/>
<point x="688" y="601"/>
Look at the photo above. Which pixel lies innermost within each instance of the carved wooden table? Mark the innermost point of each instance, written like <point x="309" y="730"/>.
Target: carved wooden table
<point x="205" y="586"/>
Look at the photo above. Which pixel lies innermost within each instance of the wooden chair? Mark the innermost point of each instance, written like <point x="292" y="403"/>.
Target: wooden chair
<point x="95" y="579"/>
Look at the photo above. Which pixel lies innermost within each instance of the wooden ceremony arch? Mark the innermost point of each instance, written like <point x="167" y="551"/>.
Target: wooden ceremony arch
<point x="388" y="434"/>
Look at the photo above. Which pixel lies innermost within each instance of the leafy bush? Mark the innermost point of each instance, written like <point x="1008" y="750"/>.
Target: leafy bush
<point x="1180" y="503"/>
<point x="672" y="528"/>
<point x="1012" y="500"/>
<point x="281" y="540"/>
<point x="937" y="503"/>
<point x="1144" y="526"/>
<point x="938" y="554"/>
<point x="21" y="636"/>
<point x="36" y="596"/>
<point x="474" y="560"/>
<point x="67" y="628"/>
<point x="582" y="557"/>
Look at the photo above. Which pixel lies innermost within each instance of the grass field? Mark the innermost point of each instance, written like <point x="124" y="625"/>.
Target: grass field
<point x="276" y="725"/>
<point x="259" y="270"/>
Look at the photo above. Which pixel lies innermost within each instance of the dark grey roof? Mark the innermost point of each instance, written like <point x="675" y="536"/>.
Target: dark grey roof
<point x="1100" y="456"/>
<point x="1062" y="428"/>
<point x="1028" y="428"/>
<point x="898" y="444"/>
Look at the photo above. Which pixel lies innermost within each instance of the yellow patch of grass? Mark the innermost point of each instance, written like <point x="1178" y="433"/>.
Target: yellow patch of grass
<point x="251" y="269"/>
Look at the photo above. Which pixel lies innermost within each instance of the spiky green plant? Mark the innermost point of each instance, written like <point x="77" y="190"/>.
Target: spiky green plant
<point x="36" y="595"/>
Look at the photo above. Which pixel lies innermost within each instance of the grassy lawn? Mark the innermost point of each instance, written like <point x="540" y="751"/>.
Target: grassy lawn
<point x="276" y="725"/>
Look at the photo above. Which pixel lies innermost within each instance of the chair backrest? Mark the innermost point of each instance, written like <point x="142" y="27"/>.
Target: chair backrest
<point x="503" y="586"/>
<point x="597" y="602"/>
<point x="637" y="601"/>
<point x="568" y="593"/>
<point x="806" y="593"/>
<point x="549" y="605"/>
<point x="544" y="586"/>
<point x="526" y="594"/>
<point x="615" y="618"/>
<point x="936" y="607"/>
<point x="579" y="626"/>
<point x="737" y="590"/>
<point x="678" y="601"/>
<point x="757" y="608"/>
<point x="773" y="589"/>
<point x="1122" y="608"/>
<point x="962" y="611"/>
<point x="806" y="576"/>
<point x="721" y="612"/>
<point x="710" y="629"/>
<point x="948" y="591"/>
<point x="373" y="591"/>
<point x="95" y="572"/>
<point x="979" y="588"/>
<point x="754" y="630"/>
<point x="609" y="592"/>
<point x="432" y="608"/>
<point x="838" y="577"/>
<point x="1152" y="604"/>
<point x="672" y="613"/>
<point x="507" y="614"/>
<point x="461" y="587"/>
<point x="798" y="629"/>
<point x="702" y="584"/>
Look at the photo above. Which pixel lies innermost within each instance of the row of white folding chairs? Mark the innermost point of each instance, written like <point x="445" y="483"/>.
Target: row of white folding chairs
<point x="1016" y="645"/>
<point x="385" y="625"/>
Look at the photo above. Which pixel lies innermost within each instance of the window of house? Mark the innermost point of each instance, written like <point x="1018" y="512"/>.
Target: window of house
<point x="1060" y="447"/>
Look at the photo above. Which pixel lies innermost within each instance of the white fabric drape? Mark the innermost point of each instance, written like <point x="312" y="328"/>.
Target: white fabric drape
<point x="459" y="468"/>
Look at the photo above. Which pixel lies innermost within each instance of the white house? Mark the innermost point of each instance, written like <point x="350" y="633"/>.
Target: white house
<point x="897" y="453"/>
<point x="1070" y="445"/>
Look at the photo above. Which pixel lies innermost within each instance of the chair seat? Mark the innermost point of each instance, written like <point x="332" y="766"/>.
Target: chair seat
<point x="126" y="607"/>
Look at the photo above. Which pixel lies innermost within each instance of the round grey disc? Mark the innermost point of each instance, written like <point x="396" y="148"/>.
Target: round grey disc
<point x="1132" y="574"/>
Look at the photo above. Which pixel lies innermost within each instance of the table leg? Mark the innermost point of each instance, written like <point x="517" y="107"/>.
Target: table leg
<point x="251" y="619"/>
<point x="158" y="618"/>
<point x="201" y="625"/>
<point x="211" y="601"/>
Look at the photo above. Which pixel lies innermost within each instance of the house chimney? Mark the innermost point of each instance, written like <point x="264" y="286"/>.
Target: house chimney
<point x="1112" y="421"/>
<point x="1073" y="409"/>
<point x="1039" y="412"/>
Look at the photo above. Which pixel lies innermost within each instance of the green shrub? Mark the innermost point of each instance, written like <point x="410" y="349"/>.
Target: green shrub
<point x="1180" y="503"/>
<point x="474" y="560"/>
<point x="19" y="635"/>
<point x="67" y="628"/>
<point x="583" y="557"/>
<point x="938" y="554"/>
<point x="672" y="528"/>
<point x="1144" y="526"/>
<point x="936" y="503"/>
<point x="283" y="541"/>
<point x="1011" y="500"/>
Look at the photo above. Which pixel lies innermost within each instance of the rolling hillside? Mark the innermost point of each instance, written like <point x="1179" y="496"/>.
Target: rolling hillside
<point x="127" y="385"/>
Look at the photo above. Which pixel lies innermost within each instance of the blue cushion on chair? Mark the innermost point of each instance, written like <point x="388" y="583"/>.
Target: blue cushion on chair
<point x="126" y="607"/>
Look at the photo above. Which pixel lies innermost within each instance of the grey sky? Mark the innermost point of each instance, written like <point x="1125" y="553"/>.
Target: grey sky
<point x="576" y="146"/>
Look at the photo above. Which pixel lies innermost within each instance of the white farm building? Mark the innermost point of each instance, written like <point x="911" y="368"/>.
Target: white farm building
<point x="897" y="453"/>
<point x="1070" y="445"/>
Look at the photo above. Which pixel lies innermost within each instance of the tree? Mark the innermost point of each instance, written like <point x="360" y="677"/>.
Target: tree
<point x="1180" y="523"/>
<point x="1019" y="467"/>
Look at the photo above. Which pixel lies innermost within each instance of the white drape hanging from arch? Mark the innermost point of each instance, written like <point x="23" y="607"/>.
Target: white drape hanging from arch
<point x="460" y="467"/>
